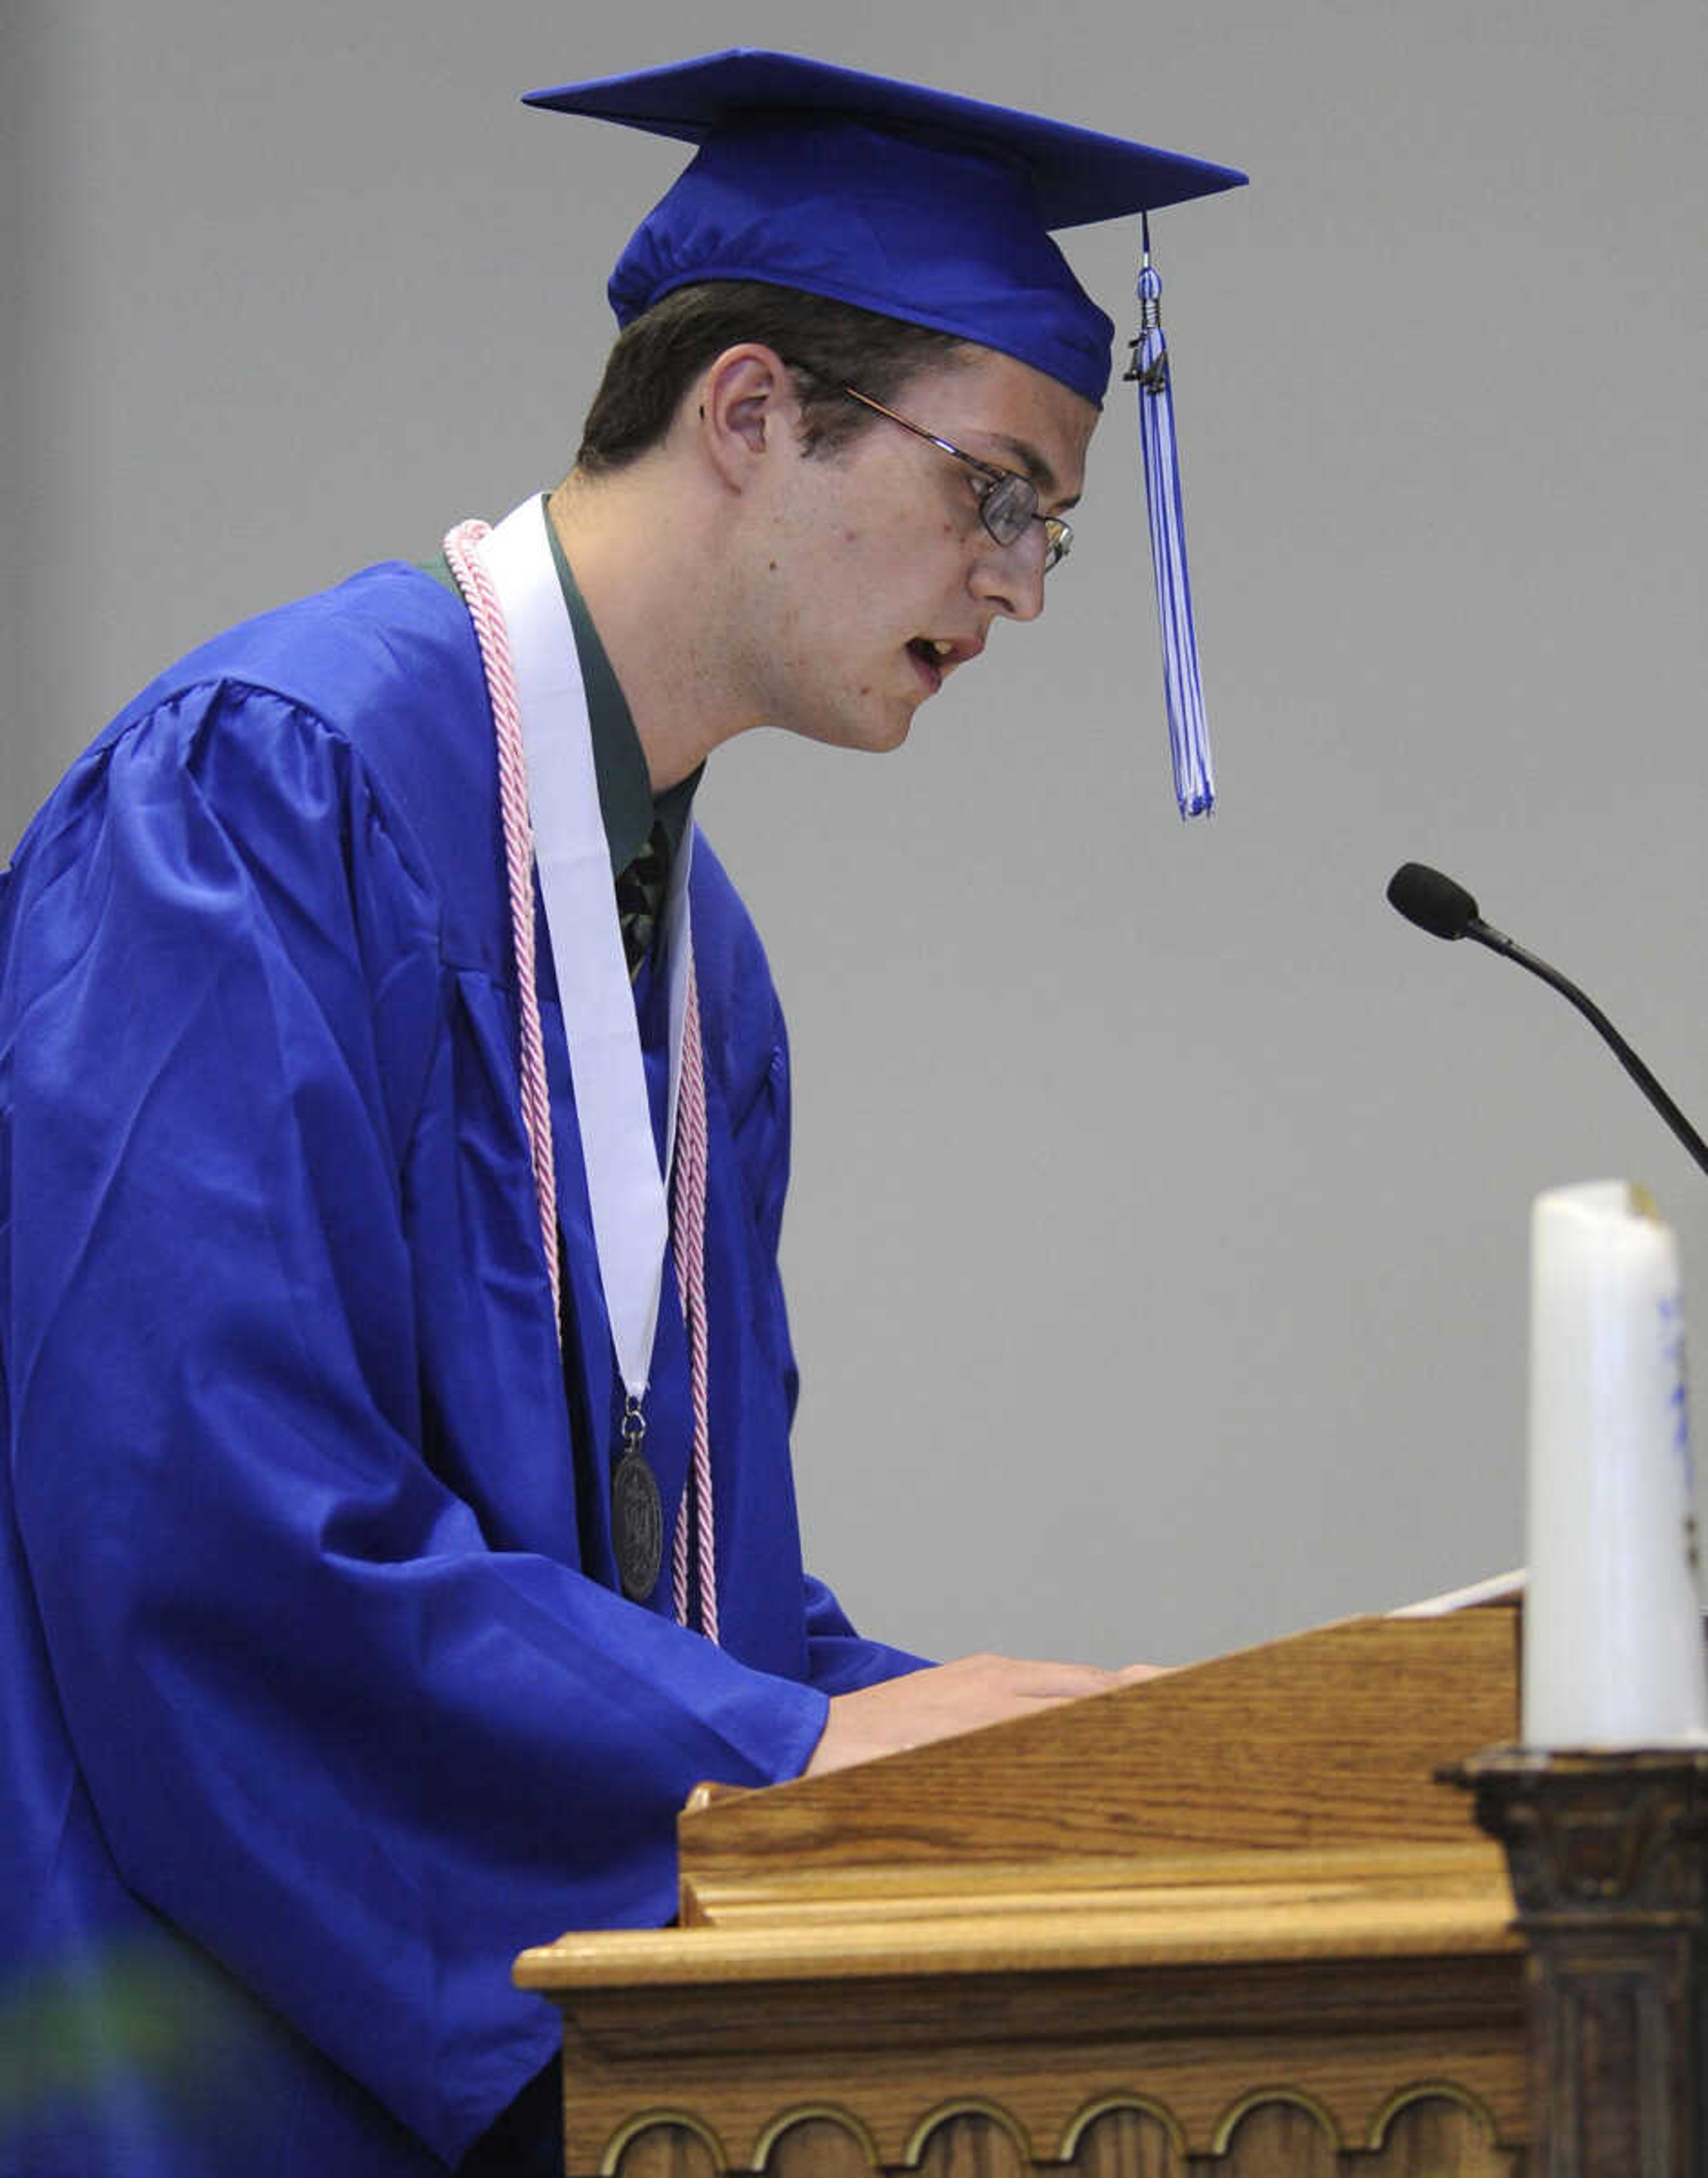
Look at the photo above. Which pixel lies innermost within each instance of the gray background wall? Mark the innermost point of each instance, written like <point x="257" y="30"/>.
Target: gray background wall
<point x="1158" y="1243"/>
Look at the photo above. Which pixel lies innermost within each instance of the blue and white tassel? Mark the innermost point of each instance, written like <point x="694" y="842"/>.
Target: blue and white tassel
<point x="1195" y="786"/>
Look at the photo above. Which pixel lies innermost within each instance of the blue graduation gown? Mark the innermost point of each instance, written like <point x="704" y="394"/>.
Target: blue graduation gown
<point x="318" y="1700"/>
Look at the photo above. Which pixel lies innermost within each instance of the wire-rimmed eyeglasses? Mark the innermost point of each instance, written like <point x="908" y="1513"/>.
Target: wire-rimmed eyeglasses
<point x="1009" y="500"/>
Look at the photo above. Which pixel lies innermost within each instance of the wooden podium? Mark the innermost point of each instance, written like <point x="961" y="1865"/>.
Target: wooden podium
<point x="1224" y="1924"/>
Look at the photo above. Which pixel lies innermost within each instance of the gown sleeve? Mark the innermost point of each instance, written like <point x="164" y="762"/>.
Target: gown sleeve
<point x="353" y="1752"/>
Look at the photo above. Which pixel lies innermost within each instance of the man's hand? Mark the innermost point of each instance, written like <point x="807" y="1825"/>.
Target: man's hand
<point x="951" y="1697"/>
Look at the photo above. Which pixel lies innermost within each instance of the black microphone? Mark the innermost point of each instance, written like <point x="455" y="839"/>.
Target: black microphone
<point x="1446" y="910"/>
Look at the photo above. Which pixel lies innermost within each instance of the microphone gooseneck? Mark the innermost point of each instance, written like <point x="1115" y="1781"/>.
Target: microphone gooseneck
<point x="1438" y="905"/>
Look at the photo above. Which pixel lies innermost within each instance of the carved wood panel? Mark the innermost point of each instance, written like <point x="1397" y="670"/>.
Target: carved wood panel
<point x="1433" y="2130"/>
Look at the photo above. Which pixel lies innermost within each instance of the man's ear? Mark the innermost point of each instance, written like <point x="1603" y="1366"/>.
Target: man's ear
<point x="744" y="409"/>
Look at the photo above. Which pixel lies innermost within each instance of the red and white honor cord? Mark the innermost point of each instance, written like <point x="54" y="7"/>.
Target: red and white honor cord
<point x="688" y="1189"/>
<point x="493" y="639"/>
<point x="688" y="1244"/>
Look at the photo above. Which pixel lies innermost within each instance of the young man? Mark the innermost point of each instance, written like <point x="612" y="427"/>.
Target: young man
<point x="394" y="1128"/>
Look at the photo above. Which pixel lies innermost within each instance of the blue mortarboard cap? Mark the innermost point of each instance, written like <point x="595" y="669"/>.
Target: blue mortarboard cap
<point x="917" y="204"/>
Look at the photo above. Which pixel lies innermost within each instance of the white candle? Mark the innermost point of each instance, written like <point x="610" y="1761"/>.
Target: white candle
<point x="1613" y="1648"/>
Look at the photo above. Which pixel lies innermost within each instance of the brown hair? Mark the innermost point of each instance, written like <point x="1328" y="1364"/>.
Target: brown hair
<point x="826" y="344"/>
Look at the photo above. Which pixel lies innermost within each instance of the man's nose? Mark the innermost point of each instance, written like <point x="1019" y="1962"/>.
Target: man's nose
<point x="1011" y="576"/>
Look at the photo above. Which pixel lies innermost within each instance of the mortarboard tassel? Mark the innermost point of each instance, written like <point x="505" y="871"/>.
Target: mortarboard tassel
<point x="1195" y="787"/>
